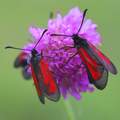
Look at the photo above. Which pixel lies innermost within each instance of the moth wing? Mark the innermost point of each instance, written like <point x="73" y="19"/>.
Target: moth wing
<point x="103" y="59"/>
<point x="51" y="89"/>
<point x="97" y="73"/>
<point x="38" y="81"/>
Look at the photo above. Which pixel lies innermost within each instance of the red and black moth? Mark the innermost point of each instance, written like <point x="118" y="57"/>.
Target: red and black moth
<point x="22" y="60"/>
<point x="43" y="78"/>
<point x="96" y="63"/>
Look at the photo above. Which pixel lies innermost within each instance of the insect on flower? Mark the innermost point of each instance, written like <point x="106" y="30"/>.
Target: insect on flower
<point x="42" y="76"/>
<point x="22" y="60"/>
<point x="96" y="63"/>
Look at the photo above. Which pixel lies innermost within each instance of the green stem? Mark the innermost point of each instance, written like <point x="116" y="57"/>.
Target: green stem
<point x="69" y="110"/>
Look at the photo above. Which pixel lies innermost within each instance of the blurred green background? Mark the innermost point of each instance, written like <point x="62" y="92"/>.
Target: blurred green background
<point x="18" y="98"/>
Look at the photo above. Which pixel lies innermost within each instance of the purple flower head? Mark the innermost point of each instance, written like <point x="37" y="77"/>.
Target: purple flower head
<point x="71" y="77"/>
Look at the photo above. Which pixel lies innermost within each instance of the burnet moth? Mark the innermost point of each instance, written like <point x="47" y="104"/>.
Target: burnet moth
<point x="22" y="60"/>
<point x="43" y="78"/>
<point x="96" y="63"/>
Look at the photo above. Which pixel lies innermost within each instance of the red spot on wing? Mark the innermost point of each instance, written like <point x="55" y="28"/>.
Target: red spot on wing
<point x="91" y="64"/>
<point x="36" y="82"/>
<point x="49" y="82"/>
<point x="20" y="60"/>
<point x="22" y="56"/>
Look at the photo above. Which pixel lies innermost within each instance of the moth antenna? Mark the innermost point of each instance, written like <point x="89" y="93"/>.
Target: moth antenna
<point x="84" y="14"/>
<point x="11" y="47"/>
<point x="40" y="38"/>
<point x="61" y="35"/>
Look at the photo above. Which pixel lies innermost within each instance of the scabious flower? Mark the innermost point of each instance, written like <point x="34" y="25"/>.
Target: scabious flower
<point x="72" y="78"/>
